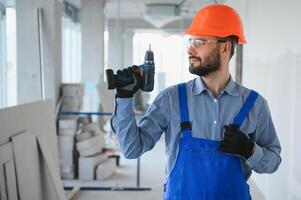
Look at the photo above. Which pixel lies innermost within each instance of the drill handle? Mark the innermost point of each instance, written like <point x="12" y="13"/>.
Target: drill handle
<point x="118" y="81"/>
<point x="110" y="79"/>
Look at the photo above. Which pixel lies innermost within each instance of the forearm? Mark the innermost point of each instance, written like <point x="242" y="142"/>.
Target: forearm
<point x="264" y="160"/>
<point x="133" y="140"/>
<point x="266" y="157"/>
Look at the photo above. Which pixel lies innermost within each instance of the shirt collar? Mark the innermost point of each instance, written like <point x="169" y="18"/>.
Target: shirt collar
<point x="199" y="87"/>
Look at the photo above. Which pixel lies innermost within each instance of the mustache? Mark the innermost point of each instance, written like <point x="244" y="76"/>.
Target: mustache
<point x="194" y="57"/>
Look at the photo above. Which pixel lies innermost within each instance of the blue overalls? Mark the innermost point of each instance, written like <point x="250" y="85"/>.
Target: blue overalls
<point x="202" y="171"/>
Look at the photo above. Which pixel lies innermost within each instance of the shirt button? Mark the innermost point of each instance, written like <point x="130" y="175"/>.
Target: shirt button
<point x="215" y="100"/>
<point x="214" y="122"/>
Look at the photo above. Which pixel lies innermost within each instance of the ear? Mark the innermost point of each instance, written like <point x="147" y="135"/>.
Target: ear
<point x="225" y="48"/>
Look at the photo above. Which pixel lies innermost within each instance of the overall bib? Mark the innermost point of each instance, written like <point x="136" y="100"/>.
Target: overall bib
<point x="202" y="171"/>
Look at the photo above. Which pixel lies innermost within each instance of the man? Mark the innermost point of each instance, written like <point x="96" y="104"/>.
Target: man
<point x="216" y="131"/>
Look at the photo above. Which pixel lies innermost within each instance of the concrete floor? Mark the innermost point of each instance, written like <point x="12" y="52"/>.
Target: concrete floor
<point x="152" y="175"/>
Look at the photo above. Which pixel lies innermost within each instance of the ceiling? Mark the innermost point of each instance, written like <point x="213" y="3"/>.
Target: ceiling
<point x="136" y="8"/>
<point x="157" y="12"/>
<point x="8" y="3"/>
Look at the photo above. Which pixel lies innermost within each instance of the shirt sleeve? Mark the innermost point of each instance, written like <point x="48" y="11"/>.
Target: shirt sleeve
<point x="137" y="138"/>
<point x="266" y="157"/>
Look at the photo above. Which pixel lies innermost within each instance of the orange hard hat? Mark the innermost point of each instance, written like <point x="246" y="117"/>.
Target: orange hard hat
<point x="217" y="20"/>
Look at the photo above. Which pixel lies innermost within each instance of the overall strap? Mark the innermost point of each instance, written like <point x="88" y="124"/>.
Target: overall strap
<point x="185" y="123"/>
<point x="245" y="108"/>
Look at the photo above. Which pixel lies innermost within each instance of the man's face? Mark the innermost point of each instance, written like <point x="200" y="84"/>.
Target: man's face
<point x="204" y="56"/>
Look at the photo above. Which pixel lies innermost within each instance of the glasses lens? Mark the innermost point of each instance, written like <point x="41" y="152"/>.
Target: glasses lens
<point x="199" y="42"/>
<point x="196" y="42"/>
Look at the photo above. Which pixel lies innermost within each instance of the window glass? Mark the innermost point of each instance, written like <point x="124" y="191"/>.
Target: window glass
<point x="71" y="44"/>
<point x="71" y="49"/>
<point x="11" y="38"/>
<point x="8" y="59"/>
<point x="2" y="56"/>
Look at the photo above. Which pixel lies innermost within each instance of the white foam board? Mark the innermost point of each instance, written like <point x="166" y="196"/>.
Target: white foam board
<point x="73" y="90"/>
<point x="7" y="185"/>
<point x="91" y="142"/>
<point x="83" y="120"/>
<point x="86" y="166"/>
<point x="106" y="97"/>
<point x="70" y="132"/>
<point x="70" y="105"/>
<point x="68" y="176"/>
<point x="107" y="100"/>
<point x="90" y="151"/>
<point x="52" y="169"/>
<point x="11" y="182"/>
<point x="89" y="127"/>
<point x="27" y="166"/>
<point x="65" y="142"/>
<point x="83" y="136"/>
<point x="68" y="124"/>
<point x="106" y="169"/>
<point x="67" y="168"/>
<point x="66" y="158"/>
<point x="37" y="118"/>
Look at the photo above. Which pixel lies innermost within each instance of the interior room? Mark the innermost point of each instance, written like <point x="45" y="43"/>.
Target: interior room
<point x="91" y="105"/>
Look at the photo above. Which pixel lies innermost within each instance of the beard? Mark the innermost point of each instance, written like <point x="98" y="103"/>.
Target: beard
<point x="206" y="66"/>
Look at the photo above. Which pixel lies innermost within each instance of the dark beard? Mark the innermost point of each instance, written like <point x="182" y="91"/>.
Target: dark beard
<point x="207" y="66"/>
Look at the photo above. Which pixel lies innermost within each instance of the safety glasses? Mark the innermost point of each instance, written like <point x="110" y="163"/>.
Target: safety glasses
<point x="202" y="42"/>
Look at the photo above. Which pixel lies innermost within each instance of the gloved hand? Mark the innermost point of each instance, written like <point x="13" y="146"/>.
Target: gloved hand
<point x="130" y="89"/>
<point x="236" y="142"/>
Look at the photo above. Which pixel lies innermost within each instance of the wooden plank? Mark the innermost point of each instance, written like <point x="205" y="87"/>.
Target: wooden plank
<point x="27" y="166"/>
<point x="52" y="169"/>
<point x="10" y="177"/>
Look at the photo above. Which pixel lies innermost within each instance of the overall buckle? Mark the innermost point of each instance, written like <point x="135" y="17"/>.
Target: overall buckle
<point x="186" y="125"/>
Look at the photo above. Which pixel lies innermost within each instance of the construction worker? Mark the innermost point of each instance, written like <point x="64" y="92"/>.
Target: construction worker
<point x="216" y="131"/>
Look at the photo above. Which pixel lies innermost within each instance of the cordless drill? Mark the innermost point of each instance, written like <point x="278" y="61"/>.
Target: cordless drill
<point x="146" y="71"/>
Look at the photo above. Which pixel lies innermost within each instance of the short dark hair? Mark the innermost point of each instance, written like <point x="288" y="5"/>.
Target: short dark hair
<point x="234" y="40"/>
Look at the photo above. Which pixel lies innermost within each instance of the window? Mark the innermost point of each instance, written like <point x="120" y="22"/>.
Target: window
<point x="171" y="59"/>
<point x="8" y="60"/>
<point x="71" y="45"/>
<point x="2" y="56"/>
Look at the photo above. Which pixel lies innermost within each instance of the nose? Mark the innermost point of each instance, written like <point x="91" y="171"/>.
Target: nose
<point x="191" y="51"/>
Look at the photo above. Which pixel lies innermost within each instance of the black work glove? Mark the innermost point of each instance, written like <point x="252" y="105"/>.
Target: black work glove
<point x="129" y="90"/>
<point x="236" y="142"/>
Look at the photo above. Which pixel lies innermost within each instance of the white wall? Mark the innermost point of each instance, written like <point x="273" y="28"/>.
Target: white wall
<point x="272" y="67"/>
<point x="28" y="69"/>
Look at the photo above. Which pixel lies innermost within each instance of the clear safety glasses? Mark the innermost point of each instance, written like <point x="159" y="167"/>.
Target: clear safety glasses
<point x="201" y="42"/>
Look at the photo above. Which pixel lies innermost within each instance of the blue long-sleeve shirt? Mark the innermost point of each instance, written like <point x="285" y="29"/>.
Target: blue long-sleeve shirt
<point x="207" y="114"/>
